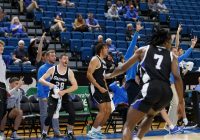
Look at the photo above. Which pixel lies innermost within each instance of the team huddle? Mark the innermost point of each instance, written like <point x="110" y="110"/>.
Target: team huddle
<point x="157" y="62"/>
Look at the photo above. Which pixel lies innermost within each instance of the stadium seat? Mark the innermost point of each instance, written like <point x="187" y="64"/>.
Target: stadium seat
<point x="93" y="5"/>
<point x="144" y="6"/>
<point x="88" y="35"/>
<point x="120" y="24"/>
<point x="46" y="23"/>
<point x="28" y="68"/>
<point x="121" y="37"/>
<point x="86" y="54"/>
<point x="87" y="43"/>
<point x="12" y="41"/>
<point x="77" y="35"/>
<point x="110" y="23"/>
<point x="70" y="15"/>
<point x="121" y="30"/>
<point x="65" y="38"/>
<point x="110" y="29"/>
<point x="110" y="35"/>
<point x="75" y="45"/>
<point x="49" y="14"/>
<point x="14" y="68"/>
<point x="121" y="44"/>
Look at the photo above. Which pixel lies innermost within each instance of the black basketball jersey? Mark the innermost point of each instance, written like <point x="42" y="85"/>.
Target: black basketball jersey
<point x="59" y="80"/>
<point x="157" y="64"/>
<point x="99" y="73"/>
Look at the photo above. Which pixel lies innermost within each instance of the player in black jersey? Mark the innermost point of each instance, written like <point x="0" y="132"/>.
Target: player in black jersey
<point x="60" y="75"/>
<point x="99" y="90"/>
<point x="158" y="62"/>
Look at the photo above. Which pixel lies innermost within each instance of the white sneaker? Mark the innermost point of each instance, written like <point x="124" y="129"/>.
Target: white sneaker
<point x="2" y="136"/>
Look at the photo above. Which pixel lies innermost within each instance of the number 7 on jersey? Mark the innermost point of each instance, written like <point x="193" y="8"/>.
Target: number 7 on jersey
<point x="160" y="59"/>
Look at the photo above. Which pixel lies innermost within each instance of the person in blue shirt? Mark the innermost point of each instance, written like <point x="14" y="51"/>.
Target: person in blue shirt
<point x="120" y="99"/>
<point x="131" y="86"/>
<point x="42" y="92"/>
<point x="197" y="88"/>
<point x="92" y="23"/>
<point x="132" y="14"/>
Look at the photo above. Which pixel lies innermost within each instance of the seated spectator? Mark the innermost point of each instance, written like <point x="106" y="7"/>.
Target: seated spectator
<point x="152" y="9"/>
<point x="161" y="7"/>
<point x="79" y="24"/>
<point x="58" y="25"/>
<point x="132" y="14"/>
<point x="108" y="5"/>
<point x="66" y="3"/>
<point x="110" y="64"/>
<point x="3" y="17"/>
<point x="31" y="5"/>
<point x="121" y="61"/>
<point x="119" y="5"/>
<point x="99" y="40"/>
<point x="113" y="13"/>
<point x="20" y="55"/>
<point x="120" y="99"/>
<point x="92" y="23"/>
<point x="13" y="106"/>
<point x="197" y="88"/>
<point x="129" y="32"/>
<point x="111" y="47"/>
<point x="16" y="26"/>
<point x="35" y="54"/>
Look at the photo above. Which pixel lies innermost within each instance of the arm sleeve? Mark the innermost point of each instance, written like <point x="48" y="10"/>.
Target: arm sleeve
<point x="131" y="47"/>
<point x="185" y="55"/>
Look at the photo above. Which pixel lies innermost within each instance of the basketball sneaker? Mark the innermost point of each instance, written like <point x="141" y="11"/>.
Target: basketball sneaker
<point x="177" y="129"/>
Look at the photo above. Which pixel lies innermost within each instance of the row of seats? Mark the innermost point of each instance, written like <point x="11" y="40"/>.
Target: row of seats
<point x="13" y="41"/>
<point x="54" y="2"/>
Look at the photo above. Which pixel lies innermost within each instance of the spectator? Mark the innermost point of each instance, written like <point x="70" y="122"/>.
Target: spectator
<point x="110" y="64"/>
<point x="13" y="106"/>
<point x="2" y="15"/>
<point x="2" y="20"/>
<point x="152" y="9"/>
<point x="120" y="99"/>
<point x="58" y="25"/>
<point x="79" y="24"/>
<point x="16" y="26"/>
<point x="66" y="3"/>
<point x="119" y="5"/>
<point x="132" y="14"/>
<point x="108" y="5"/>
<point x="129" y="32"/>
<point x="99" y="40"/>
<point x="92" y="23"/>
<point x="111" y="47"/>
<point x="121" y="61"/>
<point x="161" y="7"/>
<point x="31" y="5"/>
<point x="113" y="13"/>
<point x="35" y="54"/>
<point x="20" y="55"/>
<point x="197" y="88"/>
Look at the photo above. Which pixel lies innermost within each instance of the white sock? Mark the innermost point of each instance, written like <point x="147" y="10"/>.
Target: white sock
<point x="94" y="129"/>
<point x="185" y="121"/>
<point x="98" y="128"/>
<point x="69" y="131"/>
<point x="136" y="138"/>
<point x="44" y="132"/>
<point x="171" y="126"/>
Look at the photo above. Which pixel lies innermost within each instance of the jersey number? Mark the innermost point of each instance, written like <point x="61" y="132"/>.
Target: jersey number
<point x="160" y="59"/>
<point x="61" y="85"/>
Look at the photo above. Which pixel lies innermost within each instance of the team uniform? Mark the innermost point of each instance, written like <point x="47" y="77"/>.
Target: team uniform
<point x="156" y="91"/>
<point x="99" y="77"/>
<point x="61" y="81"/>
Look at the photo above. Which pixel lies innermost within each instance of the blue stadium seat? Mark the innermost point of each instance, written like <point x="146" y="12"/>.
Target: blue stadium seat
<point x="140" y="44"/>
<point x="148" y="31"/>
<point x="148" y="25"/>
<point x="85" y="1"/>
<point x="184" y="46"/>
<point x="43" y="2"/>
<point x="122" y="50"/>
<point x="49" y="14"/>
<point x="81" y="10"/>
<point x="163" y="17"/>
<point x="14" y="68"/>
<point x="68" y="20"/>
<point x="195" y="54"/>
<point x="83" y="4"/>
<point x="92" y="5"/>
<point x="91" y="10"/>
<point x="71" y="9"/>
<point x="8" y="50"/>
<point x="143" y="7"/>
<point x="110" y="29"/>
<point x="121" y="30"/>
<point x="101" y="5"/>
<point x="100" y="16"/>
<point x="75" y="45"/>
<point x="28" y="68"/>
<point x="86" y="54"/>
<point x="65" y="37"/>
<point x="7" y="59"/>
<point x="100" y="11"/>
<point x="121" y="44"/>
<point x="110" y="35"/>
<point x="110" y="23"/>
<point x="54" y="3"/>
<point x="102" y="23"/>
<point x="12" y="41"/>
<point x="120" y="24"/>
<point x="77" y="35"/>
<point x="87" y="43"/>
<point x="70" y="15"/>
<point x="46" y="23"/>
<point x="51" y="8"/>
<point x="37" y="16"/>
<point x="88" y="35"/>
<point x="97" y="34"/>
<point x="121" y="37"/>
<point x="26" y="41"/>
<point x="173" y="23"/>
<point x="61" y="9"/>
<point x="197" y="64"/>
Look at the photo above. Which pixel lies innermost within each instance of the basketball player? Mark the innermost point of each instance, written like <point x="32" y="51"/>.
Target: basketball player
<point x="99" y="90"/>
<point x="158" y="62"/>
<point x="60" y="76"/>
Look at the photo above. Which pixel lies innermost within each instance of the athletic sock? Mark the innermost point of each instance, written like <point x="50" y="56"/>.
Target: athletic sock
<point x="44" y="132"/>
<point x="171" y="126"/>
<point x="98" y="128"/>
<point x="94" y="129"/>
<point x="185" y="121"/>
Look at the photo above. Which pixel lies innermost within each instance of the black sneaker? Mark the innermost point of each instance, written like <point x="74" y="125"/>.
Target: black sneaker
<point x="44" y="136"/>
<point x="190" y="125"/>
<point x="71" y="136"/>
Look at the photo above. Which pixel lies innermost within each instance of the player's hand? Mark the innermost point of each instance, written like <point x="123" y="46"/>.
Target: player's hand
<point x="194" y="41"/>
<point x="102" y="90"/>
<point x="61" y="93"/>
<point x="179" y="28"/>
